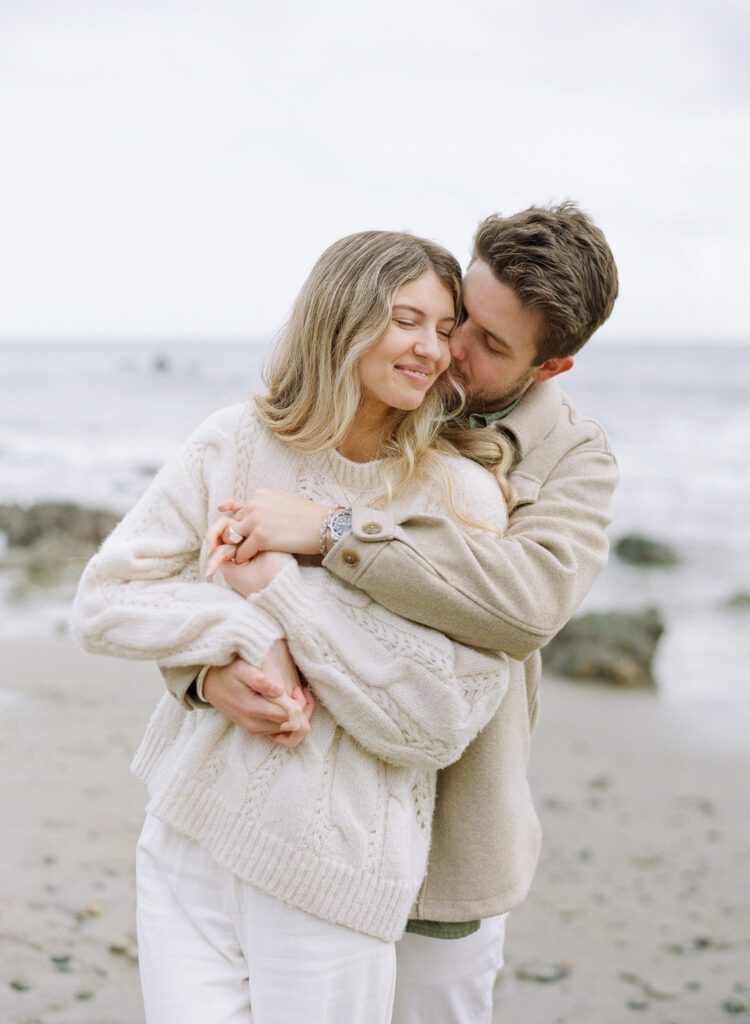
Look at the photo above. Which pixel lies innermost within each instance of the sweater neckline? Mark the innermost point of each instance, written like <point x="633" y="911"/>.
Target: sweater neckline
<point x="357" y="476"/>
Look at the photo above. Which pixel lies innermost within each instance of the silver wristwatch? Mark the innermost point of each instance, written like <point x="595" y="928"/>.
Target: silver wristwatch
<point x="335" y="526"/>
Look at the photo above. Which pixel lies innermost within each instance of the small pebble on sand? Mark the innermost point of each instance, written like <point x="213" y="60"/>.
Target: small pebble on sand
<point x="733" y="1006"/>
<point x="542" y="972"/>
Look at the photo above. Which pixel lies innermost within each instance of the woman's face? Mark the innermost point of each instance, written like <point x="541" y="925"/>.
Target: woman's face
<point x="403" y="364"/>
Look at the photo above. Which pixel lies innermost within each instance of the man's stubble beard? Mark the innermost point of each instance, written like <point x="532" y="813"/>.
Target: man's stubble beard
<point x="483" y="402"/>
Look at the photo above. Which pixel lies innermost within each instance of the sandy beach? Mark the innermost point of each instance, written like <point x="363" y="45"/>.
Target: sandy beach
<point x="640" y="909"/>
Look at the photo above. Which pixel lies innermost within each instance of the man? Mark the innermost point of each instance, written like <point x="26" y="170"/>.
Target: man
<point x="539" y="284"/>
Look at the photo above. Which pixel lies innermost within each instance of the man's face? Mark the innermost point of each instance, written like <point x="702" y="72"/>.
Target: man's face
<point x="494" y="350"/>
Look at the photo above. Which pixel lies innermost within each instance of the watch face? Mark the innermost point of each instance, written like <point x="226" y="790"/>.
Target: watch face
<point x="341" y="525"/>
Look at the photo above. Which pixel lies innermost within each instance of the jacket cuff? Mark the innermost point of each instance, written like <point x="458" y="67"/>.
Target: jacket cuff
<point x="186" y="686"/>
<point x="201" y="702"/>
<point x="350" y="557"/>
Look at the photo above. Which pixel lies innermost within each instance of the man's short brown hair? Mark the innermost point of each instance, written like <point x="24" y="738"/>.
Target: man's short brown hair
<point x="557" y="261"/>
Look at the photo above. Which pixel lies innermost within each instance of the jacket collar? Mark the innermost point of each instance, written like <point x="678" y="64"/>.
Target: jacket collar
<point x="535" y="416"/>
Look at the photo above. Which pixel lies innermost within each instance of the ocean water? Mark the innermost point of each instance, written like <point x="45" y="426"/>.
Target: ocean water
<point x="91" y="423"/>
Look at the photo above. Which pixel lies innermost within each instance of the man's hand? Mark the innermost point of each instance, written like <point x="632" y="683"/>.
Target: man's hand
<point x="276" y="521"/>
<point x="245" y="695"/>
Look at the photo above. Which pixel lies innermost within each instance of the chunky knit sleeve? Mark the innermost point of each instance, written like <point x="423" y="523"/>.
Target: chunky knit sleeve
<point x="404" y="691"/>
<point x="143" y="594"/>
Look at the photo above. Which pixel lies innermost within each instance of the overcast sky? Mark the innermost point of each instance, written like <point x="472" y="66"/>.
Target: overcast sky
<point x="172" y="170"/>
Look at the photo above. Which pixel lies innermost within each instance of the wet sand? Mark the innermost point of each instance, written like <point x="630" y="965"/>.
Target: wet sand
<point x="640" y="909"/>
<point x="643" y="890"/>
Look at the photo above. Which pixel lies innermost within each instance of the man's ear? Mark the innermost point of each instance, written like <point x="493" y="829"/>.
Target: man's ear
<point x="551" y="368"/>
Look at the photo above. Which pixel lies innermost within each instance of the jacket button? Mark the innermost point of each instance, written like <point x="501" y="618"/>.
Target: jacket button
<point x="351" y="557"/>
<point x="372" y="528"/>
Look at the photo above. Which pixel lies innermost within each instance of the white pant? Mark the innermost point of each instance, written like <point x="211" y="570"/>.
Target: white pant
<point x="449" y="981"/>
<point x="215" y="950"/>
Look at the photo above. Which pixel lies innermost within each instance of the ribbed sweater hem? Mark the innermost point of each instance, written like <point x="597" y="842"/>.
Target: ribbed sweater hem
<point x="296" y="876"/>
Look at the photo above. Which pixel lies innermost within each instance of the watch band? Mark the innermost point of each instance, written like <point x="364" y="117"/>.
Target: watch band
<point x="324" y="531"/>
<point x="337" y="524"/>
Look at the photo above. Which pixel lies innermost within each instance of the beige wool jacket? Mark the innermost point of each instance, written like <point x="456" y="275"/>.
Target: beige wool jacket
<point x="513" y="594"/>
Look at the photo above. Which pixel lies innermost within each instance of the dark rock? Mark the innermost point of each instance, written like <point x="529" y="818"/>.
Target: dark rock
<point x="732" y="1006"/>
<point x="639" y="550"/>
<point x="25" y="526"/>
<point x="610" y="647"/>
<point x="20" y="986"/>
<point x="55" y="558"/>
<point x="739" y="602"/>
<point x="50" y="543"/>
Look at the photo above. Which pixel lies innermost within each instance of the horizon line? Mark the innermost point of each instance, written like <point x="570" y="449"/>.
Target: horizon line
<point x="175" y="340"/>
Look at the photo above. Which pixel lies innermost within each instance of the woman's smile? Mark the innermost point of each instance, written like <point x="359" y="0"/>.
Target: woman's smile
<point x="420" y="375"/>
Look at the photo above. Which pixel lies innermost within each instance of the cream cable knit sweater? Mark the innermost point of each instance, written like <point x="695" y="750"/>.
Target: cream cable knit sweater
<point x="339" y="826"/>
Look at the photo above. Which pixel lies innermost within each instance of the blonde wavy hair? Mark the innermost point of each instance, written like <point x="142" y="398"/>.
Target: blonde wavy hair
<point x="313" y="386"/>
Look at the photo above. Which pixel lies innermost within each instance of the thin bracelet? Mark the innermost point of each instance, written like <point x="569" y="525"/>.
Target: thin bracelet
<point x="324" y="530"/>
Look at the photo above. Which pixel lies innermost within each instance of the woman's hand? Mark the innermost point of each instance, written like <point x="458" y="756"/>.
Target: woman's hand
<point x="276" y="521"/>
<point x="254" y="575"/>
<point x="258" y="700"/>
<point x="293" y="737"/>
<point x="222" y="540"/>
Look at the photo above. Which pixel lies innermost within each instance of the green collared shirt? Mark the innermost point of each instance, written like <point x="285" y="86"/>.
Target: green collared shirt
<point x="486" y="419"/>
<point x="451" y="929"/>
<point x="443" y="929"/>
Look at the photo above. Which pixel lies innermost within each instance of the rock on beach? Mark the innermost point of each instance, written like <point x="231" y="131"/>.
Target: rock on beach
<point x="637" y="549"/>
<point x="50" y="542"/>
<point x="24" y="526"/>
<point x="609" y="647"/>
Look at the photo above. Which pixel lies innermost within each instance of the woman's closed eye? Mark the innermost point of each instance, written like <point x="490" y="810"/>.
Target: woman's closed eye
<point x="443" y="332"/>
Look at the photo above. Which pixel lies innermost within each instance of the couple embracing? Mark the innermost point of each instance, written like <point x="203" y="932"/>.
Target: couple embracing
<point x="346" y="582"/>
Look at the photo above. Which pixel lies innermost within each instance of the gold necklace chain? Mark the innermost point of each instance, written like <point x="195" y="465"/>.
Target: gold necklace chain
<point x="349" y="502"/>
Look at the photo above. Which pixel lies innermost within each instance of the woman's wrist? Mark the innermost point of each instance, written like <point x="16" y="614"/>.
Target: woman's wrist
<point x="268" y="564"/>
<point x="254" y="576"/>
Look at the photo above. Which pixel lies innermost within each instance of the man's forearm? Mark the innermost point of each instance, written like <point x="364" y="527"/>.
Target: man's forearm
<point x="510" y="593"/>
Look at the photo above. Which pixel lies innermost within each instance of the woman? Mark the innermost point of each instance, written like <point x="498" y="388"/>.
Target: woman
<point x="273" y="881"/>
